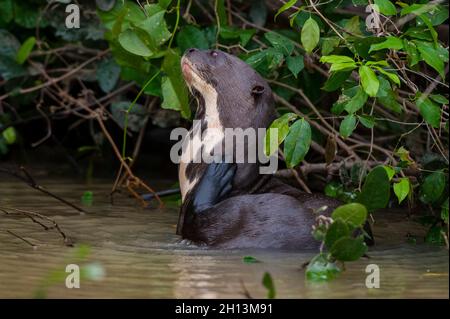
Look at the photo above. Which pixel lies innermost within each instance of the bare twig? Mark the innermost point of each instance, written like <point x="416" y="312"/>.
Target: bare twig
<point x="36" y="218"/>
<point x="32" y="183"/>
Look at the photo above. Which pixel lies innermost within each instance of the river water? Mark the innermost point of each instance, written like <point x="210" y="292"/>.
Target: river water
<point x="133" y="252"/>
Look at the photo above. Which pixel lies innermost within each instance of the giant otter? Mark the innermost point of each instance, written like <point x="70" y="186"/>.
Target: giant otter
<point x="231" y="205"/>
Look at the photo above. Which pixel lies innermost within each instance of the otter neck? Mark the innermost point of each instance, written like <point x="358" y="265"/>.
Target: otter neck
<point x="207" y="109"/>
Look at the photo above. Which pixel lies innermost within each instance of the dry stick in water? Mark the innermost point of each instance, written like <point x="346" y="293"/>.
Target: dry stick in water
<point x="132" y="181"/>
<point x="122" y="177"/>
<point x="21" y="238"/>
<point x="36" y="217"/>
<point x="29" y="180"/>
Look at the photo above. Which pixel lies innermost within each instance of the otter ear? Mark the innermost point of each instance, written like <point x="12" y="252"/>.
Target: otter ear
<point x="257" y="90"/>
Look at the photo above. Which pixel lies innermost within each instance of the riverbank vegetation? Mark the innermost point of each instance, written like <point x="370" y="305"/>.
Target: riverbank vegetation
<point x="360" y="87"/>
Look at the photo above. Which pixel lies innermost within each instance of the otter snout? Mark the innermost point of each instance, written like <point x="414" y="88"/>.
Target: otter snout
<point x="187" y="66"/>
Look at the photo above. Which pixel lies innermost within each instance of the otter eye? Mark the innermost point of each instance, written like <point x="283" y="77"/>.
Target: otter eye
<point x="214" y="54"/>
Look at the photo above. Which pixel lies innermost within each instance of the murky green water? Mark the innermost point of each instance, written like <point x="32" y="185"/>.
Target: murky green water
<point x="142" y="257"/>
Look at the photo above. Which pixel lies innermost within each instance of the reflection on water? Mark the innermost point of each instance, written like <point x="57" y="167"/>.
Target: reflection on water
<point x="143" y="258"/>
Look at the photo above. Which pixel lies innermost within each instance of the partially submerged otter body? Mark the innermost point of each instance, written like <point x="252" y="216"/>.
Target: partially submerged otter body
<point x="231" y="205"/>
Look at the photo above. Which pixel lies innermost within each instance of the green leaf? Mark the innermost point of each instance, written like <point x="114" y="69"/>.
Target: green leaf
<point x="321" y="269"/>
<point x="348" y="125"/>
<point x="332" y="189"/>
<point x="9" y="135"/>
<point x="342" y="67"/>
<point x="415" y="8"/>
<point x="310" y="35"/>
<point x="386" y="7"/>
<point x="87" y="198"/>
<point x="268" y="284"/>
<point x="401" y="189"/>
<point x="335" y="81"/>
<point x="389" y="171"/>
<point x="156" y="28"/>
<point x="438" y="15"/>
<point x="246" y="35"/>
<point x="369" y="80"/>
<point x="434" y="235"/>
<point x="392" y="76"/>
<point x="353" y="213"/>
<point x="170" y="97"/>
<point x="6" y="11"/>
<point x="349" y="249"/>
<point x="9" y="44"/>
<point x="150" y="88"/>
<point x="150" y="10"/>
<point x="429" y="25"/>
<point x="285" y="7"/>
<point x="336" y="59"/>
<point x="432" y="187"/>
<point x="390" y="43"/>
<point x="419" y="33"/>
<point x="235" y="33"/>
<point x="3" y="147"/>
<point x="319" y="232"/>
<point x="338" y="107"/>
<point x="429" y="111"/>
<point x="281" y="126"/>
<point x="28" y="16"/>
<point x="280" y="42"/>
<point x="387" y="97"/>
<point x="295" y="64"/>
<point x="250" y="260"/>
<point x="339" y="62"/>
<point x="191" y="37"/>
<point x="444" y="211"/>
<point x="353" y="26"/>
<point x="329" y="44"/>
<point x="336" y="231"/>
<point x="221" y="14"/>
<point x="439" y="98"/>
<point x="135" y="14"/>
<point x="377" y="63"/>
<point x="25" y="50"/>
<point x="404" y="155"/>
<point x="108" y="73"/>
<point x="266" y="60"/>
<point x="411" y="49"/>
<point x="431" y="56"/>
<point x="82" y="251"/>
<point x="174" y="90"/>
<point x="297" y="142"/>
<point x="131" y="42"/>
<point x="164" y="3"/>
<point x="375" y="192"/>
<point x="9" y="69"/>
<point x="362" y="45"/>
<point x="367" y="120"/>
<point x="357" y="101"/>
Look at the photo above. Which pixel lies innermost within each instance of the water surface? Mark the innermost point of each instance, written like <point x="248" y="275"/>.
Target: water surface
<point x="141" y="256"/>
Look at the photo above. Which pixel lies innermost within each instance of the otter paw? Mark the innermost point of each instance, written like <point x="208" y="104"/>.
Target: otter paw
<point x="214" y="185"/>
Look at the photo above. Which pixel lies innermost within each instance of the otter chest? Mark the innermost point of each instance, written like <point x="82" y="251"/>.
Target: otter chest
<point x="197" y="144"/>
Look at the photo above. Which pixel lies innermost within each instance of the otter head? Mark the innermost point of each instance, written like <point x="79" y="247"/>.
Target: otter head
<point x="224" y="80"/>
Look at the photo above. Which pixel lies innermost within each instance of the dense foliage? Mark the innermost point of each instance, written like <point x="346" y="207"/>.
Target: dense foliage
<point x="361" y="94"/>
